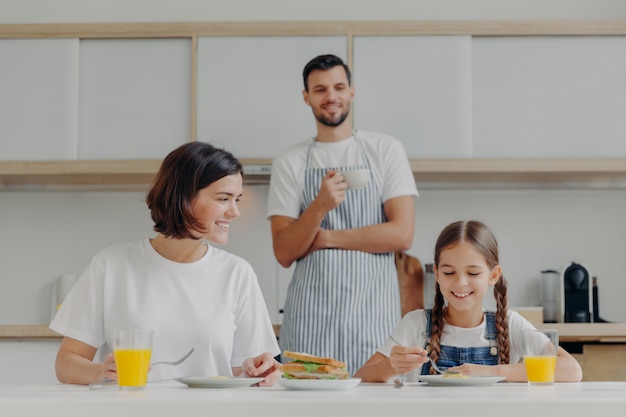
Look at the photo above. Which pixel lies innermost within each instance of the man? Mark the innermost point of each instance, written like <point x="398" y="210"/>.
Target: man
<point x="342" y="301"/>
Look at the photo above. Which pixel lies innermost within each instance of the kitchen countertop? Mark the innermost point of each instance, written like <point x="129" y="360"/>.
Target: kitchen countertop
<point x="568" y="332"/>
<point x="172" y="398"/>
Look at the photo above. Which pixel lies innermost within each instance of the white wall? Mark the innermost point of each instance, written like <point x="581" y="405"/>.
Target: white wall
<point x="71" y="11"/>
<point x="54" y="233"/>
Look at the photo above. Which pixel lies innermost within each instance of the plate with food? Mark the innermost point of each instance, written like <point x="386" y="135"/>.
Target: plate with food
<point x="460" y="380"/>
<point x="309" y="372"/>
<point x="218" y="381"/>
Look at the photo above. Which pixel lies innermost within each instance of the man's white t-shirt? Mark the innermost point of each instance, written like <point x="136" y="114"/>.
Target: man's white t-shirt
<point x="214" y="305"/>
<point x="390" y="168"/>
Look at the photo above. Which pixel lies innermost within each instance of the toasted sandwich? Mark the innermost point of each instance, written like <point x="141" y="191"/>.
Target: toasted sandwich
<point x="305" y="366"/>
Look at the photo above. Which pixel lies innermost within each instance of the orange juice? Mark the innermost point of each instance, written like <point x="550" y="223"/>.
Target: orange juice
<point x="132" y="366"/>
<point x="540" y="369"/>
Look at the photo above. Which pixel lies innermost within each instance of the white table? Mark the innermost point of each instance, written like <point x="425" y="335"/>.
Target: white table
<point x="588" y="399"/>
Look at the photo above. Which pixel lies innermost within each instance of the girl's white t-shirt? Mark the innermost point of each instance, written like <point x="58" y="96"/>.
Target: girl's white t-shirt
<point x="411" y="331"/>
<point x="214" y="305"/>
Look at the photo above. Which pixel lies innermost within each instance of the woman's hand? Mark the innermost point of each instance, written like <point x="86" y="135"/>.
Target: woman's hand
<point x="109" y="371"/>
<point x="262" y="366"/>
<point x="404" y="359"/>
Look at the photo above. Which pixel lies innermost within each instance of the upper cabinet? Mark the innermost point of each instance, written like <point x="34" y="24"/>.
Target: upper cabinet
<point x="538" y="97"/>
<point x="250" y="91"/>
<point x="39" y="99"/>
<point x="134" y="98"/>
<point x="418" y="89"/>
<point x="102" y="104"/>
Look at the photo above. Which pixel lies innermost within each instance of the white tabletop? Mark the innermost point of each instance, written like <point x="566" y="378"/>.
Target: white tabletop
<point x="587" y="399"/>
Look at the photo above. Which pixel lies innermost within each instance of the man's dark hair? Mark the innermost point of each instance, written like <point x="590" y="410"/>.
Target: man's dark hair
<point x="324" y="63"/>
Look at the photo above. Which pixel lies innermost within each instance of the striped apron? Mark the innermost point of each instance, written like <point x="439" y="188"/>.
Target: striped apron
<point x="342" y="303"/>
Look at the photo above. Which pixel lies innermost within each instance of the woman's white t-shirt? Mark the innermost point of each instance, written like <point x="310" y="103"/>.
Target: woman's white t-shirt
<point x="214" y="305"/>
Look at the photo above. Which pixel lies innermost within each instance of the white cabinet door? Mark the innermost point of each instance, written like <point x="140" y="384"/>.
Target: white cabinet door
<point x="418" y="89"/>
<point x="134" y="97"/>
<point x="28" y="362"/>
<point x="38" y="98"/>
<point x="549" y="96"/>
<point x="250" y="91"/>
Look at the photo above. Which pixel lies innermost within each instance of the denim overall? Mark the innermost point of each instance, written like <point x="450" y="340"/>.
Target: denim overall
<point x="450" y="356"/>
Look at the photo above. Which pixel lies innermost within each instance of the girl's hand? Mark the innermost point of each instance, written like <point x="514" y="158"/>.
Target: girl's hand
<point x="475" y="370"/>
<point x="404" y="359"/>
<point x="262" y="366"/>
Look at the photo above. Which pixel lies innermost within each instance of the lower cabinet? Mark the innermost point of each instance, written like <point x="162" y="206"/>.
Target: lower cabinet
<point x="603" y="361"/>
<point x="28" y="361"/>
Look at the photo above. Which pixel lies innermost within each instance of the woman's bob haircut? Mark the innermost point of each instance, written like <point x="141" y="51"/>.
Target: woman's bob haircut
<point x="183" y="173"/>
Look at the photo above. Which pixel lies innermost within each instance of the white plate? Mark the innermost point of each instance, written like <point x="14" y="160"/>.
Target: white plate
<point x="470" y="381"/>
<point x="217" y="382"/>
<point x="319" y="384"/>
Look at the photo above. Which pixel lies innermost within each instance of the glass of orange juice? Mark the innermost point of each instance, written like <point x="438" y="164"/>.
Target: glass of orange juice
<point x="540" y="351"/>
<point x="132" y="350"/>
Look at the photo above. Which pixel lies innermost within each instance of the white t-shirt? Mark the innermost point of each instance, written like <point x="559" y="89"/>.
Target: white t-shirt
<point x="214" y="305"/>
<point x="411" y="332"/>
<point x="390" y="168"/>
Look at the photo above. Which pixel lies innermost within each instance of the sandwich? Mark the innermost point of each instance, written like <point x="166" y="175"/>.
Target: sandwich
<point x="305" y="366"/>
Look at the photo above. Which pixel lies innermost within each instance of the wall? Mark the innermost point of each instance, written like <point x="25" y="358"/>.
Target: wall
<point x="67" y="11"/>
<point x="537" y="229"/>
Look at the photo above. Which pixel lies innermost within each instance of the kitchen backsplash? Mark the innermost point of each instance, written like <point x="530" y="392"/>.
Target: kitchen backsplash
<point x="44" y="235"/>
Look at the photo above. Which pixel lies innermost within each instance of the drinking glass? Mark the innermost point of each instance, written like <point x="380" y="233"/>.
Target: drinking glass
<point x="132" y="350"/>
<point x="540" y="351"/>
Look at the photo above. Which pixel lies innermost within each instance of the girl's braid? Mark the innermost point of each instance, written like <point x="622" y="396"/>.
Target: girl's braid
<point x="502" y="324"/>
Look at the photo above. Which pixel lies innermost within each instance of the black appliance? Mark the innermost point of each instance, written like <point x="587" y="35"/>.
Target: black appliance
<point x="577" y="294"/>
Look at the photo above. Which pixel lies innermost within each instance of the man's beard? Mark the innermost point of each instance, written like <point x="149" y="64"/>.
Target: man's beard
<point x="332" y="122"/>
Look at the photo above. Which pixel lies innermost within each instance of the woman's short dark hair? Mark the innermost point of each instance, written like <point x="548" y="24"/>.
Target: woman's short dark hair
<point x="183" y="173"/>
<point x="324" y="63"/>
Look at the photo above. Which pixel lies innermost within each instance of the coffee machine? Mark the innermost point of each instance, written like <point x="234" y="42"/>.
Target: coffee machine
<point x="576" y="294"/>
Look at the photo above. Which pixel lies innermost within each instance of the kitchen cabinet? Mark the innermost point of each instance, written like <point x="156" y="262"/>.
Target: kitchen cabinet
<point x="601" y="348"/>
<point x="134" y="98"/>
<point x="417" y="89"/>
<point x="251" y="104"/>
<point x="39" y="98"/>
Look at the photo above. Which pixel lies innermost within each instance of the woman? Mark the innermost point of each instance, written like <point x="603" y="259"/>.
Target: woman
<point x="189" y="292"/>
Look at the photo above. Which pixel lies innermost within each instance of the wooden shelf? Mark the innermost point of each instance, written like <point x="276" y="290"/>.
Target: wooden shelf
<point x="589" y="332"/>
<point x="96" y="175"/>
<point x="28" y="331"/>
<point x="539" y="172"/>
<point x="477" y="172"/>
<point x="42" y="331"/>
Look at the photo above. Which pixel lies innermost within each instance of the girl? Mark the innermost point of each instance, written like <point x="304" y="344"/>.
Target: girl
<point x="458" y="334"/>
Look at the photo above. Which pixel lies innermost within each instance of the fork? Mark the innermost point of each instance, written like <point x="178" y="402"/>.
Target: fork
<point x="176" y="362"/>
<point x="399" y="381"/>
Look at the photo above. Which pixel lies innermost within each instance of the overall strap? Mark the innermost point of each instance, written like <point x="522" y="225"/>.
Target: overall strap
<point x="428" y="312"/>
<point x="491" y="332"/>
